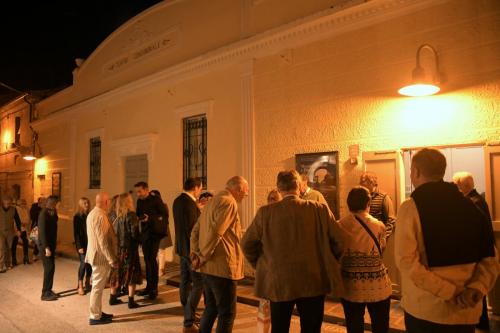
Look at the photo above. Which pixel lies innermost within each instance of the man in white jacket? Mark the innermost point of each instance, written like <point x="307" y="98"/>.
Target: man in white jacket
<point x="101" y="254"/>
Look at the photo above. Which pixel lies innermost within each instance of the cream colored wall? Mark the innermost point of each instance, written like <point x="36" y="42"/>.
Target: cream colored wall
<point x="149" y="110"/>
<point x="342" y="91"/>
<point x="13" y="168"/>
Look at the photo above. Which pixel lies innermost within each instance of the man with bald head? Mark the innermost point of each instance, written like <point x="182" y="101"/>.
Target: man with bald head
<point x="216" y="251"/>
<point x="101" y="255"/>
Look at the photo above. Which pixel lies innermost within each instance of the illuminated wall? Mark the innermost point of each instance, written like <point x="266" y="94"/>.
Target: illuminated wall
<point x="342" y="90"/>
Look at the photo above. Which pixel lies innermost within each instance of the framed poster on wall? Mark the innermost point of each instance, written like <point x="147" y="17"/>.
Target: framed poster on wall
<point x="56" y="184"/>
<point x="322" y="173"/>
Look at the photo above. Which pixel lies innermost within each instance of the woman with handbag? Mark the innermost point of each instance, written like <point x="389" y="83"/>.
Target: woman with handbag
<point x="80" y="236"/>
<point x="366" y="282"/>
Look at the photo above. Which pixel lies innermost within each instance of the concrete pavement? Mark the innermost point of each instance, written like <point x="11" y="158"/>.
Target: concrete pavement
<point x="22" y="311"/>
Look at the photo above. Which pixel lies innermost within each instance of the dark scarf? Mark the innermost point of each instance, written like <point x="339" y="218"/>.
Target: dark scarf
<point x="454" y="231"/>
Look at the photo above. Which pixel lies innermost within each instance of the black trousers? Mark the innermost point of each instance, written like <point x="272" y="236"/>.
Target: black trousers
<point x="150" y="247"/>
<point x="84" y="269"/>
<point x="415" y="325"/>
<point x="49" y="268"/>
<point x="220" y="304"/>
<point x="310" y="311"/>
<point x="24" y="238"/>
<point x="355" y="312"/>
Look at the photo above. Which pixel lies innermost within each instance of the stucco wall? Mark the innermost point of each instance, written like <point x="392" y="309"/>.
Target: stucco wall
<point x="342" y="91"/>
<point x="151" y="110"/>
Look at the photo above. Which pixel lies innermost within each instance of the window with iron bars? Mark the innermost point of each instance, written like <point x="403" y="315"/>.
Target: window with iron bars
<point x="95" y="163"/>
<point x="195" y="148"/>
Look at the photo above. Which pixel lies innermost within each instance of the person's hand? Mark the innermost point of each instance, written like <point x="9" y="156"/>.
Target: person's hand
<point x="81" y="251"/>
<point x="196" y="261"/>
<point x="47" y="252"/>
<point x="114" y="265"/>
<point x="468" y="298"/>
<point x="145" y="218"/>
<point x="18" y="233"/>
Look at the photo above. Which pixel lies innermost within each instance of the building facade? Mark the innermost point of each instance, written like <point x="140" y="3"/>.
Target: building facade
<point x="16" y="142"/>
<point x="219" y="88"/>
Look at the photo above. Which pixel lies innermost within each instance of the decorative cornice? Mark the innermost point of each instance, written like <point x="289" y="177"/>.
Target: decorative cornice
<point x="140" y="144"/>
<point x="325" y="24"/>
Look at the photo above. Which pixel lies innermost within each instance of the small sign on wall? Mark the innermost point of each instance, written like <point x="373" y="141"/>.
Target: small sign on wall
<point x="56" y="184"/>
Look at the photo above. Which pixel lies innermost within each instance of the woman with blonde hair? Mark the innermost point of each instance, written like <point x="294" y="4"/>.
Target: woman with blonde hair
<point x="129" y="268"/>
<point x="80" y="235"/>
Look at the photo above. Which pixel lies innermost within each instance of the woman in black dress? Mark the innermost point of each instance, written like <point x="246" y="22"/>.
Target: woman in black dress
<point x="80" y="234"/>
<point x="129" y="271"/>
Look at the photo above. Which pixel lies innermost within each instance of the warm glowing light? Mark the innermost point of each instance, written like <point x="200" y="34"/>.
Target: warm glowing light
<point x="41" y="166"/>
<point x="7" y="139"/>
<point x="418" y="90"/>
<point x="29" y="157"/>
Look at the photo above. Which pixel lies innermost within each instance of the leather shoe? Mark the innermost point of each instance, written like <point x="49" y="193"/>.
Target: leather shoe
<point x="49" y="297"/>
<point x="143" y="292"/>
<point x="106" y="315"/>
<point x="190" y="329"/>
<point x="101" y="321"/>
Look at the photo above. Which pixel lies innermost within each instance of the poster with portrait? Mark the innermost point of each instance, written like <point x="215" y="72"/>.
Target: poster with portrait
<point x="322" y="173"/>
<point x="56" y="184"/>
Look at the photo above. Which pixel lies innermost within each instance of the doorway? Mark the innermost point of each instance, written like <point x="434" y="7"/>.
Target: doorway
<point x="136" y="170"/>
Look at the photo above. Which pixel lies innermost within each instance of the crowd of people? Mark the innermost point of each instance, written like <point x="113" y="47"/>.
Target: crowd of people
<point x="444" y="250"/>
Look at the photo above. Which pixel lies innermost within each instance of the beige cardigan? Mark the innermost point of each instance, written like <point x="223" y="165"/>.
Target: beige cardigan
<point x="102" y="242"/>
<point x="216" y="238"/>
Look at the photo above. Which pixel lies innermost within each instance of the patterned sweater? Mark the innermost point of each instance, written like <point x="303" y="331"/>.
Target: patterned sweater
<point x="364" y="274"/>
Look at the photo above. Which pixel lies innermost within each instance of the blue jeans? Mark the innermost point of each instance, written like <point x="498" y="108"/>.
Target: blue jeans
<point x="190" y="289"/>
<point x="220" y="304"/>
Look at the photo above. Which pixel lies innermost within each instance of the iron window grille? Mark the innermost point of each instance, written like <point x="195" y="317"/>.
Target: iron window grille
<point x="95" y="163"/>
<point x="195" y="148"/>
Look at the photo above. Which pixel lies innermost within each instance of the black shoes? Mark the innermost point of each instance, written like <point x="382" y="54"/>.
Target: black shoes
<point x="106" y="318"/>
<point x="143" y="292"/>
<point x="101" y="321"/>
<point x="114" y="300"/>
<point x="49" y="296"/>
<point x="132" y="304"/>
<point x="106" y="315"/>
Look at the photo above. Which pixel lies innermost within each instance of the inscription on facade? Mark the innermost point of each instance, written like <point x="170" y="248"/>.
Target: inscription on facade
<point x="154" y="46"/>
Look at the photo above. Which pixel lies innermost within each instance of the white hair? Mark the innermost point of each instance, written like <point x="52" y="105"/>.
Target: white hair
<point x="235" y="183"/>
<point x="464" y="180"/>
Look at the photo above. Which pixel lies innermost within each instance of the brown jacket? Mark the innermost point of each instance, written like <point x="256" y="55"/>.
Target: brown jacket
<point x="293" y="244"/>
<point x="216" y="238"/>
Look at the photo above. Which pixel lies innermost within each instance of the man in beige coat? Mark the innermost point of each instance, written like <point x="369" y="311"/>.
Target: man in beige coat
<point x="101" y="254"/>
<point x="293" y="244"/>
<point x="215" y="248"/>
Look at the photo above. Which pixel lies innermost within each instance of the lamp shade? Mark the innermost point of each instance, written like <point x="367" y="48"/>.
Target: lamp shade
<point x="422" y="85"/>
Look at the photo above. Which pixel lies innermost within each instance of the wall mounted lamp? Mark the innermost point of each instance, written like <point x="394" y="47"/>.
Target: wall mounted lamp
<point x="423" y="85"/>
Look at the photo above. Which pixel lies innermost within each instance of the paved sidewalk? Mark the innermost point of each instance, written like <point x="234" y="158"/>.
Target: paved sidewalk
<point x="22" y="311"/>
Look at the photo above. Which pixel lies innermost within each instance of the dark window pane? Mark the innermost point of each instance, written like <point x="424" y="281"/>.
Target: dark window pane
<point x="95" y="163"/>
<point x="195" y="148"/>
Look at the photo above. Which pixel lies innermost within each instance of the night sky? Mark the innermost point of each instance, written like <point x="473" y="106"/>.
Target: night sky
<point x="40" y="39"/>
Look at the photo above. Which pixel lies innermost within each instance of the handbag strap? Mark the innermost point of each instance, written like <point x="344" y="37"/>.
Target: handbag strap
<point x="363" y="224"/>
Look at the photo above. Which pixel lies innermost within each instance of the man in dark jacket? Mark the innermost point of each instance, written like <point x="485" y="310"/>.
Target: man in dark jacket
<point x="35" y="210"/>
<point x="153" y="215"/>
<point x="465" y="183"/>
<point x="47" y="239"/>
<point x="186" y="213"/>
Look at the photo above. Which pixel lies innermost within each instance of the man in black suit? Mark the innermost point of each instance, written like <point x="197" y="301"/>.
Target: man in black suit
<point x="465" y="183"/>
<point x="186" y="213"/>
<point x="47" y="239"/>
<point x="153" y="215"/>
